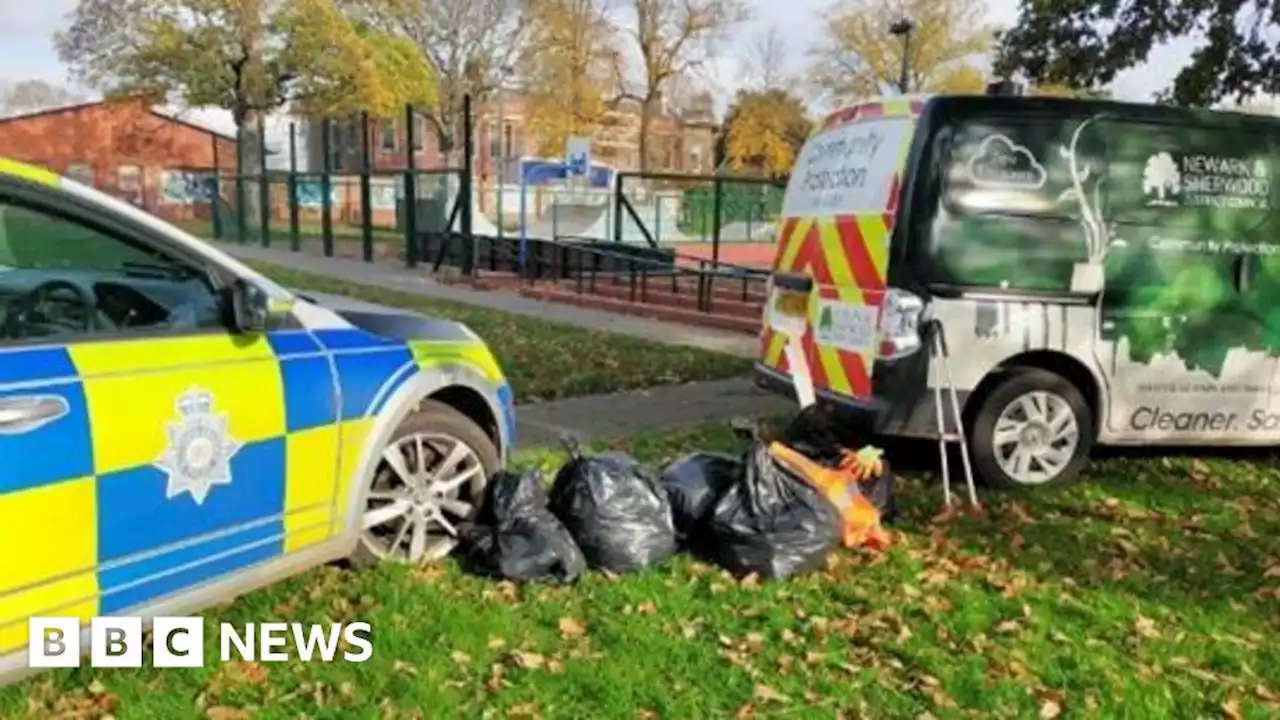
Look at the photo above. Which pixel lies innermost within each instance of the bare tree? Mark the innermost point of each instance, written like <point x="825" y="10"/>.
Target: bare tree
<point x="30" y="96"/>
<point x="766" y="64"/>
<point x="469" y="43"/>
<point x="673" y="38"/>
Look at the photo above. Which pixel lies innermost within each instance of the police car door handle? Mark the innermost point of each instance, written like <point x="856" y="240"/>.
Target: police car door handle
<point x="26" y="413"/>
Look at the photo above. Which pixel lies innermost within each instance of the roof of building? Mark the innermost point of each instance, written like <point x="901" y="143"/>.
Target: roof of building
<point x="96" y="103"/>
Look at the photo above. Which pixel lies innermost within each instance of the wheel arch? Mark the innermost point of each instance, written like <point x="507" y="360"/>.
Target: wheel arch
<point x="462" y="387"/>
<point x="1062" y="364"/>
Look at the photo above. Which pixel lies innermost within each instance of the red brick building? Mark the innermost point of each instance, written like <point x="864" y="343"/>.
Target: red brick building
<point x="126" y="148"/>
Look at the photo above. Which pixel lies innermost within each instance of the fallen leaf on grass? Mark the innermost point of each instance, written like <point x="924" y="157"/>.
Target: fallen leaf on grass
<point x="495" y="682"/>
<point x="646" y="608"/>
<point x="524" y="710"/>
<point x="744" y="712"/>
<point x="1231" y="710"/>
<point x="1008" y="627"/>
<point x="947" y="516"/>
<point x="459" y="657"/>
<point x="1146" y="627"/>
<point x="528" y="660"/>
<point x="571" y="628"/>
<point x="1049" y="709"/>
<point x="768" y="694"/>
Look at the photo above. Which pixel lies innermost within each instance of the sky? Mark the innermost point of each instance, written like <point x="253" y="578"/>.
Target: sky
<point x="26" y="47"/>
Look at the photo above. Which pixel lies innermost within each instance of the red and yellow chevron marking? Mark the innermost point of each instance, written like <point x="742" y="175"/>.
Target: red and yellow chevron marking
<point x="847" y="257"/>
<point x="893" y="107"/>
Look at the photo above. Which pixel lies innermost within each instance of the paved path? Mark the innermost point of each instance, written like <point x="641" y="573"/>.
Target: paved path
<point x="659" y="408"/>
<point x="592" y="417"/>
<point x="420" y="283"/>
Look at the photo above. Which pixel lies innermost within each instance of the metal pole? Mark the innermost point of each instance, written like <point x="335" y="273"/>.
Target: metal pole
<point x="410" y="192"/>
<point x="366" y="190"/>
<point x="264" y="187"/>
<point x="295" y="232"/>
<point x="216" y="199"/>
<point x="464" y="191"/>
<point x="903" y="27"/>
<point x="502" y="152"/>
<point x="524" y="210"/>
<point x="904" y="81"/>
<point x="717" y="187"/>
<point x="241" y="229"/>
<point x="326" y="189"/>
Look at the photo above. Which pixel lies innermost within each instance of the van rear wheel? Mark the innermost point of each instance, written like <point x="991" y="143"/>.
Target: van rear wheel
<point x="1033" y="429"/>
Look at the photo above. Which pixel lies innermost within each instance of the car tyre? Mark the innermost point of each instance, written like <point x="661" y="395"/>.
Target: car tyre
<point x="1033" y="429"/>
<point x="412" y="513"/>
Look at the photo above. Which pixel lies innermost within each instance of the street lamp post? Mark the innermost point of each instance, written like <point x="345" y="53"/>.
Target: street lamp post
<point x="902" y="28"/>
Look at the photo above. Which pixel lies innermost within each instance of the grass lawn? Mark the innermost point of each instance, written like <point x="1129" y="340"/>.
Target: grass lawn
<point x="546" y="360"/>
<point x="1150" y="591"/>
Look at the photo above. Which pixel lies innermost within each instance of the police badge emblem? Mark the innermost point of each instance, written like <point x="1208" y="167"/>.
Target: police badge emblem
<point x="200" y="447"/>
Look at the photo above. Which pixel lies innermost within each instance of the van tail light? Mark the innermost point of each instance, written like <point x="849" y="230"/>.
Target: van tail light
<point x="900" y="320"/>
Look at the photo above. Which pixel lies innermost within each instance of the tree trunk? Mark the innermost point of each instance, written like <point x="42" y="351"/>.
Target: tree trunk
<point x="250" y="86"/>
<point x="247" y="190"/>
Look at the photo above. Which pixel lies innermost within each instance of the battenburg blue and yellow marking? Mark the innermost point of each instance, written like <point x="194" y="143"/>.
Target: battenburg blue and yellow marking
<point x="89" y="506"/>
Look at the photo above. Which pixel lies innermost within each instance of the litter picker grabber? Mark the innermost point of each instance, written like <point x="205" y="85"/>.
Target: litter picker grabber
<point x="941" y="356"/>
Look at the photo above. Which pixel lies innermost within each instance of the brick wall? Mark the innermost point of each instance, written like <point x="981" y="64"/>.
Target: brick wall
<point x="121" y="148"/>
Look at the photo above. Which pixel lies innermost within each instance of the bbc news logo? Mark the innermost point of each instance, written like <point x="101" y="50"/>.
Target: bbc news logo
<point x="178" y="642"/>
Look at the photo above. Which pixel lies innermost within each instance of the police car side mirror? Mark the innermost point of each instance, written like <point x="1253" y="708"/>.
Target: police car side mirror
<point x="251" y="307"/>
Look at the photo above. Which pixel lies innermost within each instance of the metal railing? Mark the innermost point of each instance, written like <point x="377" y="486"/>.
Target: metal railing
<point x="585" y="266"/>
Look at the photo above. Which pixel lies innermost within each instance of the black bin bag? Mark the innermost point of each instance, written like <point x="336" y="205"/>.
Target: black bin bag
<point x="694" y="483"/>
<point x="517" y="538"/>
<point x="771" y="523"/>
<point x="614" y="509"/>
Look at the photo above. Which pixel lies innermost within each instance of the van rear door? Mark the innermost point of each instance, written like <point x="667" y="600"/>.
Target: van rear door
<point x="831" y="264"/>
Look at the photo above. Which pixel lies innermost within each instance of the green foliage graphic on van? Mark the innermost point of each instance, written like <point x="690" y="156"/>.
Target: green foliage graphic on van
<point x="1177" y="221"/>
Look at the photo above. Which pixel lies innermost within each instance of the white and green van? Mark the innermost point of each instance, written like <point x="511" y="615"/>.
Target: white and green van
<point x="1102" y="273"/>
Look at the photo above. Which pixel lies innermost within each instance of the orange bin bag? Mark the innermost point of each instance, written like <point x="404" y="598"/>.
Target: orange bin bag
<point x="841" y="486"/>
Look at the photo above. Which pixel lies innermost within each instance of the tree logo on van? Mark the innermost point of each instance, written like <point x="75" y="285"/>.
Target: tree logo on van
<point x="1161" y="176"/>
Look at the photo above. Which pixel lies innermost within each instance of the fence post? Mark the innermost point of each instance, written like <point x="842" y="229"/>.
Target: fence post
<point x="264" y="188"/>
<point x="295" y="230"/>
<point x="241" y="230"/>
<point x="366" y="190"/>
<point x="410" y="192"/>
<point x="657" y="218"/>
<point x="617" y="206"/>
<point x="464" y="188"/>
<point x="216" y="199"/>
<point x="718" y="187"/>
<point x="326" y="189"/>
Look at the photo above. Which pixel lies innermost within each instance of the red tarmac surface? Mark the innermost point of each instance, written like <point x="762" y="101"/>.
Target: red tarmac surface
<point x="749" y="254"/>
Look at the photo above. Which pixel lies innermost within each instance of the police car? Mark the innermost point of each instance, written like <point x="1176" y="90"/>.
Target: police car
<point x="176" y="429"/>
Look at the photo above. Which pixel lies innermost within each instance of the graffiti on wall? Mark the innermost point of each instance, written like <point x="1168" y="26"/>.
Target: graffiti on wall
<point x="310" y="193"/>
<point x="184" y="187"/>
